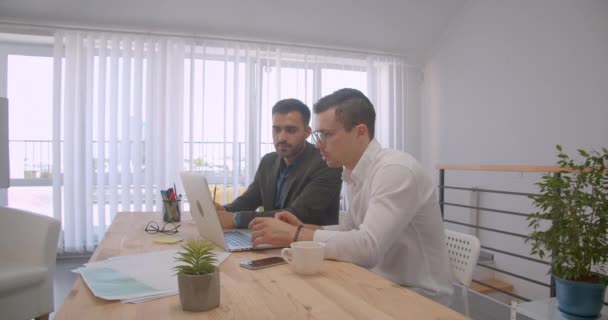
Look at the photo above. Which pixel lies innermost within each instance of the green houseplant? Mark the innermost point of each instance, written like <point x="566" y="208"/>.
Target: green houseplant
<point x="571" y="226"/>
<point x="198" y="279"/>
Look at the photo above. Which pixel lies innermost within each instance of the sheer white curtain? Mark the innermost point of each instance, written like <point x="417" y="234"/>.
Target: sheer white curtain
<point x="240" y="82"/>
<point x="132" y="111"/>
<point x="232" y="87"/>
<point x="388" y="91"/>
<point x="117" y="135"/>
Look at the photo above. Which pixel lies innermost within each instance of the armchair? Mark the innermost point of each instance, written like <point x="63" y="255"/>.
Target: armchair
<point x="27" y="263"/>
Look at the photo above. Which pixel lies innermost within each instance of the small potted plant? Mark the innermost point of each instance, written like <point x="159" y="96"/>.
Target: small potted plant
<point x="571" y="226"/>
<point x="198" y="279"/>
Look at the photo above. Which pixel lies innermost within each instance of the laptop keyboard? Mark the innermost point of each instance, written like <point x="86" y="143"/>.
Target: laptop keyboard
<point x="237" y="239"/>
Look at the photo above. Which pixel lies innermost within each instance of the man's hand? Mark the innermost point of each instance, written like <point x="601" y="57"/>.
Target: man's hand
<point x="271" y="231"/>
<point x="288" y="217"/>
<point x="226" y="219"/>
<point x="219" y="207"/>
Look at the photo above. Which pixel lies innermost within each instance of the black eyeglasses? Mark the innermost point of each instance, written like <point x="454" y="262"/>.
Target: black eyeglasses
<point x="168" y="228"/>
<point x="321" y="136"/>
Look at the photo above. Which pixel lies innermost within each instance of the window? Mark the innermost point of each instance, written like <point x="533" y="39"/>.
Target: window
<point x="29" y="90"/>
<point x="220" y="106"/>
<point x="137" y="110"/>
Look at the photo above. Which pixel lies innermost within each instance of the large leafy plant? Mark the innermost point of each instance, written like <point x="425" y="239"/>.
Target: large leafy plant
<point x="575" y="201"/>
<point x="197" y="258"/>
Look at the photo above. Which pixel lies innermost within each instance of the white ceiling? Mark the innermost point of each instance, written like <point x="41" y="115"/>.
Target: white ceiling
<point x="404" y="27"/>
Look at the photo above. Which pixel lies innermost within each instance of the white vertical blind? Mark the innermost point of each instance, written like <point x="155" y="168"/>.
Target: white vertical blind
<point x="236" y="150"/>
<point x="87" y="225"/>
<point x="150" y="107"/>
<point x="101" y="134"/>
<point x="225" y="119"/>
<point x="58" y="54"/>
<point x="126" y="91"/>
<point x="133" y="111"/>
<point x="388" y="94"/>
<point x="138" y="121"/>
<point x="125" y="127"/>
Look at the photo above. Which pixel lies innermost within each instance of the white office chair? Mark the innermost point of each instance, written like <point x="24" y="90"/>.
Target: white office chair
<point x="28" y="256"/>
<point x="463" y="250"/>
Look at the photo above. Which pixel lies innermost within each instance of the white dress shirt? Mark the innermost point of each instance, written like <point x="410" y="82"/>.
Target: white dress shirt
<point x="393" y="225"/>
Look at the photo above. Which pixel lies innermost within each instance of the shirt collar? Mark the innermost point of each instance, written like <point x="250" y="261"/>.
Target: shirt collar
<point x="364" y="163"/>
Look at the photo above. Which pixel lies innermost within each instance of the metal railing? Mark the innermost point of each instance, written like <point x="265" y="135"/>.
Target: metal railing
<point x="517" y="169"/>
<point x="33" y="159"/>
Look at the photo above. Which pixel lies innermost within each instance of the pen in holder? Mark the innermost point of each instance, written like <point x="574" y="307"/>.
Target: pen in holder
<point x="171" y="205"/>
<point x="171" y="210"/>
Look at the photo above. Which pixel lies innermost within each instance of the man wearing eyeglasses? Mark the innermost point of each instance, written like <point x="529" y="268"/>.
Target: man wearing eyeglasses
<point x="393" y="225"/>
<point x="294" y="178"/>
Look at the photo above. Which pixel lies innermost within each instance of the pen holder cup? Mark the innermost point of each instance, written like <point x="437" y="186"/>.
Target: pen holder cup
<point x="172" y="210"/>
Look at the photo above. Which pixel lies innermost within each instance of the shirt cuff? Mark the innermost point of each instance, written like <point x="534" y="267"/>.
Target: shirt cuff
<point x="335" y="227"/>
<point x="321" y="235"/>
<point x="243" y="218"/>
<point x="237" y="219"/>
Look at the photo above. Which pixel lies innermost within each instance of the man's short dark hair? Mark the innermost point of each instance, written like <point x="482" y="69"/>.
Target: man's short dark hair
<point x="351" y="108"/>
<point x="289" y="105"/>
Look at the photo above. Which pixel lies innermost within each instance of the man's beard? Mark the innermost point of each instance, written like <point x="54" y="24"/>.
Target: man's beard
<point x="286" y="150"/>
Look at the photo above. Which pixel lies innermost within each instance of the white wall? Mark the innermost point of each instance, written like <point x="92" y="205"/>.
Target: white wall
<point x="509" y="81"/>
<point x="514" y="78"/>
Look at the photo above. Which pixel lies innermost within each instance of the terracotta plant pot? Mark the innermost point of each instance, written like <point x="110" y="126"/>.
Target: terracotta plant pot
<point x="199" y="292"/>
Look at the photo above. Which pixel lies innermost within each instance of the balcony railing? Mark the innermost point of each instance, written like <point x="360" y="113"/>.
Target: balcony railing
<point x="515" y="237"/>
<point x="32" y="160"/>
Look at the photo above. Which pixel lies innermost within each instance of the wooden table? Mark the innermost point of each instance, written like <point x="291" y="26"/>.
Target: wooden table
<point x="341" y="291"/>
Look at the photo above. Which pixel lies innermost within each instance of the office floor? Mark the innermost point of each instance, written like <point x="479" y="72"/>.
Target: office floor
<point x="64" y="277"/>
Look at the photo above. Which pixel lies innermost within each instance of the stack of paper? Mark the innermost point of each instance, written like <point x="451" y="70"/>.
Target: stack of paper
<point x="135" y="278"/>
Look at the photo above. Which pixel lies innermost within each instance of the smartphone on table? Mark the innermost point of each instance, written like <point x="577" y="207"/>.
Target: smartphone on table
<point x="262" y="263"/>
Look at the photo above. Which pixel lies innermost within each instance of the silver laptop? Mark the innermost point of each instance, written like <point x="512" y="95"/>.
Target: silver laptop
<point x="206" y="219"/>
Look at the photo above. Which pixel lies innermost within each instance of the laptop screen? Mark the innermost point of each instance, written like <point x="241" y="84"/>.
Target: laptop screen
<point x="202" y="208"/>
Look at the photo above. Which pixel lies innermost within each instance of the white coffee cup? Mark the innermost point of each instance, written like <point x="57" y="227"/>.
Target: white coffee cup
<point x="305" y="257"/>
